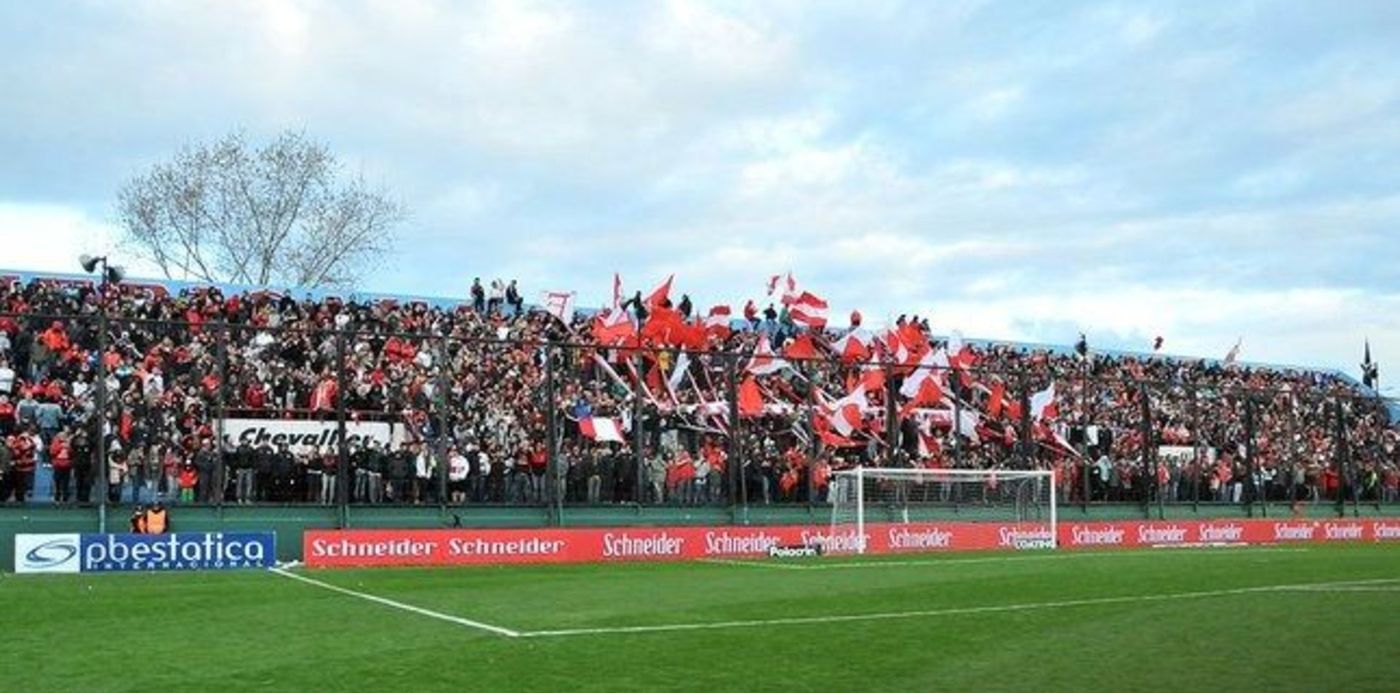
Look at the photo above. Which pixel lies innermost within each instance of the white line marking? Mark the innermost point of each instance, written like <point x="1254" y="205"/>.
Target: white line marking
<point x="1357" y="588"/>
<point x="400" y="605"/>
<point x="669" y="628"/>
<point x="751" y="564"/>
<point x="758" y="563"/>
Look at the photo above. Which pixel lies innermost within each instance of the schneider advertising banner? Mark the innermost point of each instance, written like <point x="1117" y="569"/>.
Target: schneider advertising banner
<point x="96" y="553"/>
<point x="386" y="547"/>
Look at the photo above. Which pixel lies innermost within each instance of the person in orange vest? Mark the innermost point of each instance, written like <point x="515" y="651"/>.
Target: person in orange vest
<point x="157" y="519"/>
<point x="138" y="519"/>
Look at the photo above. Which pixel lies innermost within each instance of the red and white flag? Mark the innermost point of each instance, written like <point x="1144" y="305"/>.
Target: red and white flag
<point x="1043" y="404"/>
<point x="601" y="429"/>
<point x="788" y="286"/>
<point x="845" y="414"/>
<point x="967" y="425"/>
<point x="764" y="361"/>
<point x="932" y="367"/>
<point x="808" y="310"/>
<point x="560" y="304"/>
<point x="717" y="322"/>
<point x="960" y="353"/>
<point x="893" y="346"/>
<point x="853" y="347"/>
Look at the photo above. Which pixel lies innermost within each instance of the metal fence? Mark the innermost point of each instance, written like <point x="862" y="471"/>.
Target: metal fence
<point x="225" y="414"/>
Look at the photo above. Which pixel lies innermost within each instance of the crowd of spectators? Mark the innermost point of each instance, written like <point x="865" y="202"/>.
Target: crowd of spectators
<point x="469" y="391"/>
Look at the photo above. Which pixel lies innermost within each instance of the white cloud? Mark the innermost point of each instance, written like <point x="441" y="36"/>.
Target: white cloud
<point x="51" y="237"/>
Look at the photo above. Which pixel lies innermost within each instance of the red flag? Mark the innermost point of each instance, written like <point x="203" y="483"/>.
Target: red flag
<point x="612" y="327"/>
<point x="801" y="347"/>
<point x="654" y="379"/>
<point x="995" y="400"/>
<point x="750" y="398"/>
<point x="873" y="378"/>
<point x="660" y="294"/>
<point x="929" y="393"/>
<point x="1013" y="411"/>
<point x="663" y="326"/>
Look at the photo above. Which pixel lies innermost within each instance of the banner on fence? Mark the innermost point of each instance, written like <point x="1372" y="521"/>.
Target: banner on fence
<point x="305" y="435"/>
<point x="1184" y="454"/>
<point x="96" y="553"/>
<point x="388" y="547"/>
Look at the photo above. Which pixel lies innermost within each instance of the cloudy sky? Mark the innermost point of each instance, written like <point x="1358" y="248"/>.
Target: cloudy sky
<point x="1020" y="170"/>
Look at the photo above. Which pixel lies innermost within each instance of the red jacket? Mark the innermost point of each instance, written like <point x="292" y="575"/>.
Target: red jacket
<point x="60" y="454"/>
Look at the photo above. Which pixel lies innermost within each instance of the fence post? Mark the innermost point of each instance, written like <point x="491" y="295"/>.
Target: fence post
<point x="892" y="415"/>
<point x="1197" y="445"/>
<point x="1251" y="489"/>
<point x="220" y="413"/>
<point x="342" y="453"/>
<point x="1084" y="422"/>
<point x="639" y="482"/>
<point x="813" y="445"/>
<point x="738" y="485"/>
<point x="1149" y="474"/>
<point x="444" y="421"/>
<point x="101" y="415"/>
<point x="1025" y="443"/>
<point x="552" y="472"/>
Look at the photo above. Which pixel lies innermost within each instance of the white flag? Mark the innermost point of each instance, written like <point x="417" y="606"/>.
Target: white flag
<point x="678" y="373"/>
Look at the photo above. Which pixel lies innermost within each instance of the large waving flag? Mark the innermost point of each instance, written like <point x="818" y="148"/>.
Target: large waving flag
<point x="808" y="310"/>
<point x="661" y="294"/>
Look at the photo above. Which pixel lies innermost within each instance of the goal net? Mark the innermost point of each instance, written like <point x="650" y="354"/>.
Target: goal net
<point x="1021" y="500"/>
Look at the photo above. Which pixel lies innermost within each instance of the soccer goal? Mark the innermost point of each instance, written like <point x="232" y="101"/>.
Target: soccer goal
<point x="874" y="495"/>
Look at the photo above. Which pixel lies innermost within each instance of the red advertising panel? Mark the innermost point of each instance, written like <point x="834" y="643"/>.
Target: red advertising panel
<point x="1223" y="532"/>
<point x="386" y="547"/>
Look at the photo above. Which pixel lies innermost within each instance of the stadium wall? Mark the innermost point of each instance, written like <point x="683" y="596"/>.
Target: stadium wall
<point x="289" y="523"/>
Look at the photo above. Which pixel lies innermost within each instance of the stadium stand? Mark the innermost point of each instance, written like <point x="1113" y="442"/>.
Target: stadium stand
<point x="488" y="401"/>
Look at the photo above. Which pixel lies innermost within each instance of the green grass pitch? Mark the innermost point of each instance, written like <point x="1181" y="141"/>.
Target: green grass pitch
<point x="1266" y="619"/>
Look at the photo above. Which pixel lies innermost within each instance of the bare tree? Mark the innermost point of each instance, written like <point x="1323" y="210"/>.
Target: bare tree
<point x="280" y="214"/>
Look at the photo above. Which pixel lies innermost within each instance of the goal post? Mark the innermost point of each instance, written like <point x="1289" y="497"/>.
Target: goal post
<point x="878" y="495"/>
